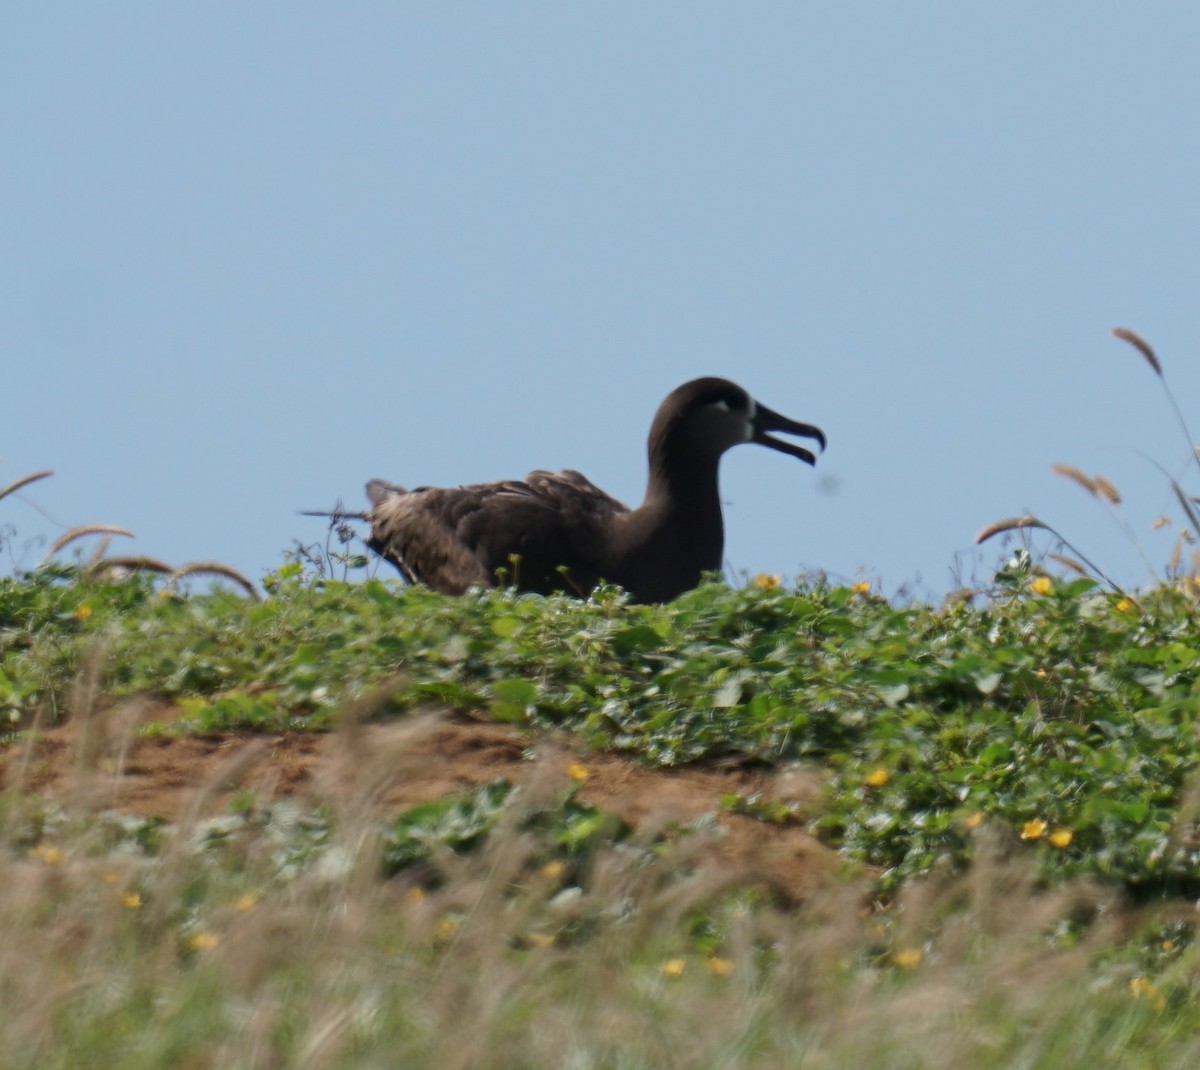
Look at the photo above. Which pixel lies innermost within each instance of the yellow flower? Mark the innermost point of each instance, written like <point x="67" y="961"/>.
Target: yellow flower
<point x="1125" y="605"/>
<point x="203" y="941"/>
<point x="131" y="900"/>
<point x="1140" y="988"/>
<point x="1034" y="829"/>
<point x="415" y="896"/>
<point x="721" y="967"/>
<point x="445" y="929"/>
<point x="83" y="612"/>
<point x="767" y="583"/>
<point x="553" y="870"/>
<point x="672" y="968"/>
<point x="1061" y="837"/>
<point x="876" y="778"/>
<point x="52" y="856"/>
<point x="907" y="957"/>
<point x="973" y="821"/>
<point x="245" y="902"/>
<point x="540" y="939"/>
<point x="577" y="772"/>
<point x="862" y="587"/>
<point x="1041" y="585"/>
<point x="1168" y="945"/>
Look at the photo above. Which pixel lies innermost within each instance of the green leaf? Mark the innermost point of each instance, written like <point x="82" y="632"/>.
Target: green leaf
<point x="637" y="637"/>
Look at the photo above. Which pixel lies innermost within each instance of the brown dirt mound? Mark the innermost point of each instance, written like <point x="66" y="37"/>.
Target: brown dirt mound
<point x="388" y="766"/>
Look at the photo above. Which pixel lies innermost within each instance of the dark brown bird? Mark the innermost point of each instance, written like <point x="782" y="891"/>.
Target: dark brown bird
<point x="559" y="532"/>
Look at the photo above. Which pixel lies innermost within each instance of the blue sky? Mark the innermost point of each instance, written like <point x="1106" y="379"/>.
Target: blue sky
<point x="255" y="254"/>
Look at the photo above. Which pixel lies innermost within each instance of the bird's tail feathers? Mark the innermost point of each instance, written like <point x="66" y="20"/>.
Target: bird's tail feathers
<point x="379" y="489"/>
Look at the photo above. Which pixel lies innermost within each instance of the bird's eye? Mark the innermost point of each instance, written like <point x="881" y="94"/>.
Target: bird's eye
<point x="725" y="402"/>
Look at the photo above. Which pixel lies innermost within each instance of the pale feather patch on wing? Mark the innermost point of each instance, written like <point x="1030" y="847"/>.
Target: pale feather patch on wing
<point x="416" y="531"/>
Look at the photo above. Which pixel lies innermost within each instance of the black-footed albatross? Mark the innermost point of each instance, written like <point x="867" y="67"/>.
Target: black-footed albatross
<point x="557" y="531"/>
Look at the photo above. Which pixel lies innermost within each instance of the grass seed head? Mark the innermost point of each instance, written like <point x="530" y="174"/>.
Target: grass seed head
<point x="1069" y="471"/>
<point x="1069" y="563"/>
<point x="1013" y="524"/>
<point x="24" y="481"/>
<point x="1107" y="490"/>
<point x="78" y="533"/>
<point x="1141" y="345"/>
<point x="215" y="568"/>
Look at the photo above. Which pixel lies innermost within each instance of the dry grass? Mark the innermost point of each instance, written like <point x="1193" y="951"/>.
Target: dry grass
<point x="24" y="481"/>
<point x="215" y="568"/>
<point x="224" y="957"/>
<point x="1141" y="345"/>
<point x="68" y="537"/>
<point x="1000" y="527"/>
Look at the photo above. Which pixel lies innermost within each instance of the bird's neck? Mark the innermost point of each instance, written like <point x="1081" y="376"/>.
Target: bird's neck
<point x="681" y="516"/>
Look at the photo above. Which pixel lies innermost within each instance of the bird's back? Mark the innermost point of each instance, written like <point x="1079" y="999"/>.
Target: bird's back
<point x="544" y="533"/>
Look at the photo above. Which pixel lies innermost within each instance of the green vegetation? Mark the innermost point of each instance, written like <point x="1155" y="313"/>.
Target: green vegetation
<point x="1067" y="715"/>
<point x="1014" y="776"/>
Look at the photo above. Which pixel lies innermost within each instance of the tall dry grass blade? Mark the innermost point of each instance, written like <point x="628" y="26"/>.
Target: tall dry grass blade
<point x="1189" y="510"/>
<point x="1141" y="345"/>
<point x="101" y="549"/>
<point x="1013" y="524"/>
<point x="1069" y="563"/>
<point x="1072" y="473"/>
<point x="1104" y="488"/>
<point x="215" y="568"/>
<point x="1107" y="490"/>
<point x="78" y="533"/>
<point x="24" y="481"/>
<point x="227" y="776"/>
<point x="1021" y="522"/>
<point x="89" y="725"/>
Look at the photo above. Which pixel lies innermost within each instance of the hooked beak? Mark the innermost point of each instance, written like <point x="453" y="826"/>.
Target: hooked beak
<point x="765" y="420"/>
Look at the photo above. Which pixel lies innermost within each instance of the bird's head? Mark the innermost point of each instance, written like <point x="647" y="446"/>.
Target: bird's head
<point x="705" y="417"/>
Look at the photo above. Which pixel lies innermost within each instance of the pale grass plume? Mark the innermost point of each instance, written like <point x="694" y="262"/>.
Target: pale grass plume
<point x="1069" y="563"/>
<point x="1023" y="522"/>
<point x="1013" y="524"/>
<point x="24" y="481"/>
<point x="1097" y="486"/>
<point x="68" y="537"/>
<point x="215" y="568"/>
<point x="1141" y="345"/>
<point x="101" y="549"/>
<point x="1107" y="490"/>
<point x="1069" y="471"/>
